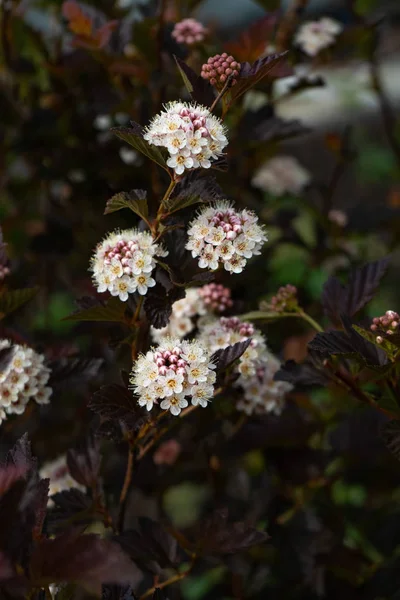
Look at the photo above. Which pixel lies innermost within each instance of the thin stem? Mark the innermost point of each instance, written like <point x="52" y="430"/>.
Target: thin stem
<point x="311" y="321"/>
<point x="125" y="489"/>
<point x="137" y="311"/>
<point x="222" y="92"/>
<point x="170" y="581"/>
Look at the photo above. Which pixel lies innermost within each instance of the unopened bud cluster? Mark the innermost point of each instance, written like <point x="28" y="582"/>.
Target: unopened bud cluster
<point x="60" y="478"/>
<point x="219" y="68"/>
<point x="189" y="32"/>
<point x="220" y="235"/>
<point x="228" y="331"/>
<point x="216" y="297"/>
<point x="193" y="136"/>
<point x="174" y="372"/>
<point x="25" y="378"/>
<point x="388" y="324"/>
<point x="261" y="393"/>
<point x="285" y="299"/>
<point x="123" y="263"/>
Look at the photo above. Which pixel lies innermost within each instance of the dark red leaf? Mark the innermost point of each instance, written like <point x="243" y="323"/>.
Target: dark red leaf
<point x="69" y="372"/>
<point x="117" y="592"/>
<point x="21" y="455"/>
<point x="158" y="304"/>
<point x="200" y="89"/>
<point x="226" y="356"/>
<point x="9" y="474"/>
<point x="71" y="507"/>
<point x="218" y="536"/>
<point x="85" y="559"/>
<point x="338" y="299"/>
<point x="117" y="403"/>
<point x="84" y="462"/>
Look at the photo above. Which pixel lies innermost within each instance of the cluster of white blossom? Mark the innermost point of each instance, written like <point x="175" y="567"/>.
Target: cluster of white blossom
<point x="192" y="135"/>
<point x="184" y="312"/>
<point x="261" y="393"/>
<point x="220" y="235"/>
<point x="60" y="478"/>
<point x="316" y="35"/>
<point x="281" y="175"/>
<point x="123" y="263"/>
<point x="25" y="377"/>
<point x="227" y="331"/>
<point x="173" y="372"/>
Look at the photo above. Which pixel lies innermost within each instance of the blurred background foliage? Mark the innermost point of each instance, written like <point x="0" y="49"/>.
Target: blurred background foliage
<point x="61" y="91"/>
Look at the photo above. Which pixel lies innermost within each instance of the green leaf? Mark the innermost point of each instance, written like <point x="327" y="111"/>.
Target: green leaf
<point x="134" y="137"/>
<point x="135" y="200"/>
<point x="112" y="311"/>
<point x="10" y="300"/>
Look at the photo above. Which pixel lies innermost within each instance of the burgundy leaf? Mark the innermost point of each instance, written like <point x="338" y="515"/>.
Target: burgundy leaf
<point x="158" y="304"/>
<point x="9" y="474"/>
<point x="84" y="462"/>
<point x="21" y="455"/>
<point x="199" y="89"/>
<point x="218" y="536"/>
<point x="85" y="559"/>
<point x="67" y="372"/>
<point x="117" y="403"/>
<point x="70" y="507"/>
<point x="338" y="299"/>
<point x="226" y="356"/>
<point x="6" y="568"/>
<point x="39" y="506"/>
<point x="304" y="374"/>
<point x="117" y="592"/>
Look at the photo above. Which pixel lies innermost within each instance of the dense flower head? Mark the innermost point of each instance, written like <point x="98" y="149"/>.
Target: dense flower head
<point x="25" y="378"/>
<point x="124" y="261"/>
<point x="220" y="235"/>
<point x="216" y="297"/>
<point x="261" y="393"/>
<point x="60" y="478"/>
<point x="285" y="299"/>
<point x="174" y="372"/>
<point x="387" y="324"/>
<point x="281" y="175"/>
<point x="226" y="331"/>
<point x="184" y="312"/>
<point x="316" y="35"/>
<point x="198" y="302"/>
<point x="189" y="32"/>
<point x="218" y="68"/>
<point x="193" y="136"/>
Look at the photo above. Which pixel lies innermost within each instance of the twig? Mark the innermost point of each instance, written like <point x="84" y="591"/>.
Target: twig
<point x="170" y="581"/>
<point x="125" y="489"/>
<point x="222" y="92"/>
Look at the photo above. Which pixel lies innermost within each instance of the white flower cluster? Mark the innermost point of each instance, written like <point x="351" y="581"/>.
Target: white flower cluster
<point x="123" y="263"/>
<point x="316" y="35"/>
<point x="261" y="393"/>
<point x="173" y="372"/>
<point x="192" y="135"/>
<point x="60" y="477"/>
<point x="181" y="321"/>
<point x="220" y="235"/>
<point x="24" y="378"/>
<point x="281" y="175"/>
<point x="227" y="331"/>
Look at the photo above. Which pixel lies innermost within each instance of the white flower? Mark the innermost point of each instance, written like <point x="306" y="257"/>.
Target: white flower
<point x="316" y="35"/>
<point x="170" y="372"/>
<point x="174" y="404"/>
<point x="60" y="477"/>
<point x="25" y="378"/>
<point x="261" y="393"/>
<point x="124" y="261"/>
<point x="219" y="235"/>
<point x="201" y="394"/>
<point x="191" y="134"/>
<point x="226" y="331"/>
<point x="180" y="162"/>
<point x="280" y="175"/>
<point x="143" y="282"/>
